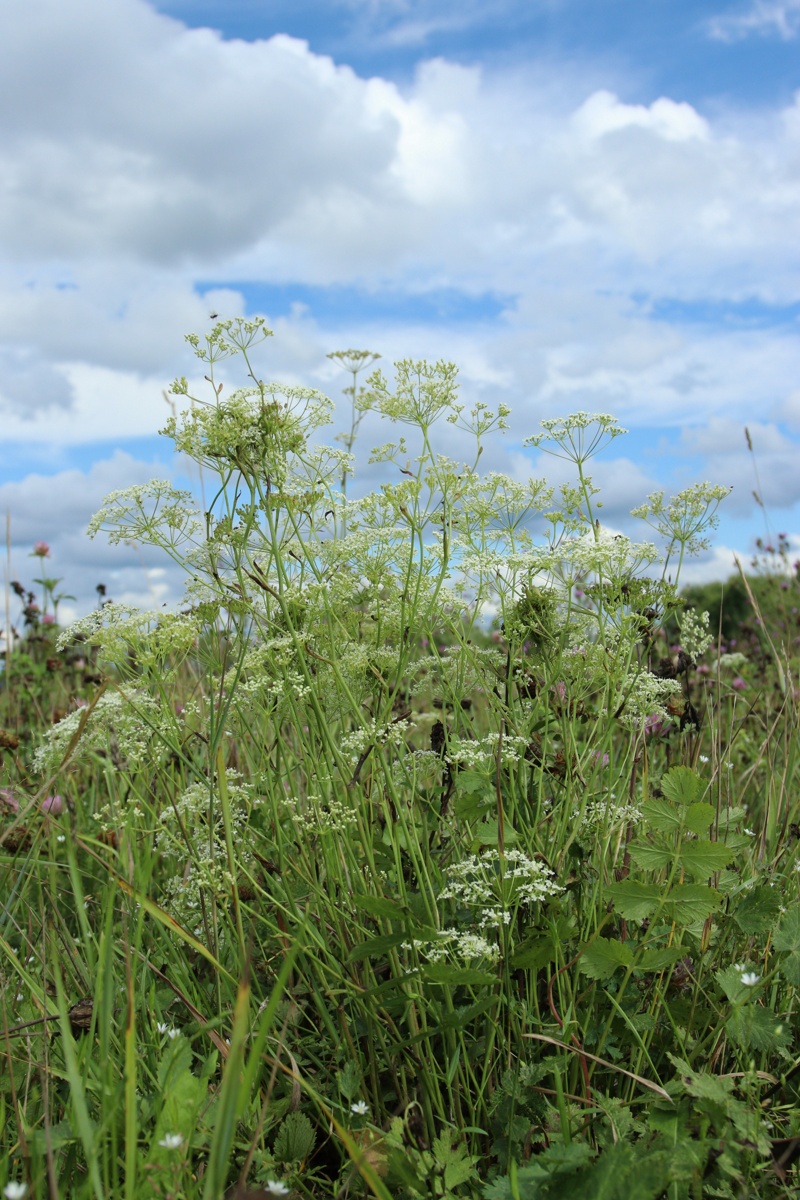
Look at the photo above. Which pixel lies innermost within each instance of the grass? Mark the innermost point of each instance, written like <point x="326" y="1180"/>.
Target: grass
<point x="330" y="885"/>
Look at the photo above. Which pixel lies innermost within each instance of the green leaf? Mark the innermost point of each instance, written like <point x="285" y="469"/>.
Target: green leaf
<point x="295" y="1139"/>
<point x="758" y="910"/>
<point x="704" y="858"/>
<point x="472" y="782"/>
<point x="658" y="958"/>
<point x="787" y="939"/>
<point x="662" y="815"/>
<point x="487" y="834"/>
<point x="699" y="817"/>
<point x="688" y="903"/>
<point x="603" y="957"/>
<point x="634" y="901"/>
<point x="377" y="947"/>
<point x="443" y="973"/>
<point x="379" y="906"/>
<point x="534" y="953"/>
<point x="755" y="1028"/>
<point x="651" y="858"/>
<point x="682" y="785"/>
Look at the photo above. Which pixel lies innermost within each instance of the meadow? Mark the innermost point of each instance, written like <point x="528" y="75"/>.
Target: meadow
<point x="434" y="846"/>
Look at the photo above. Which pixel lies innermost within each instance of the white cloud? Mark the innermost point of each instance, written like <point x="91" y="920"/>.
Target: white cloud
<point x="138" y="156"/>
<point x="764" y="17"/>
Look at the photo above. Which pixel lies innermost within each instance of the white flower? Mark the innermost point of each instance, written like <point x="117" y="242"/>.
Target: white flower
<point x="703" y="758"/>
<point x="171" y="1141"/>
<point x="750" y="979"/>
<point x="360" y="1108"/>
<point x="173" y="1033"/>
<point x="15" y="1190"/>
<point x="162" y="1027"/>
<point x="276" y="1188"/>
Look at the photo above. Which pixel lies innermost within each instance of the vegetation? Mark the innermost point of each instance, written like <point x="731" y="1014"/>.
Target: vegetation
<point x="410" y="857"/>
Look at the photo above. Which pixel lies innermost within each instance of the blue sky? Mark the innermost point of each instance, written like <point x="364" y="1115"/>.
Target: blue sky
<point x="585" y="206"/>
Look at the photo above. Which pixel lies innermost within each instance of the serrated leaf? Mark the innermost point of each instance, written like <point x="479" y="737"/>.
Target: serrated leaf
<point x="662" y="815"/>
<point x="691" y="902"/>
<point x="651" y="858"/>
<point x="703" y="858"/>
<point x="787" y="935"/>
<point x="487" y="834"/>
<point x="472" y="782"/>
<point x="658" y="958"/>
<point x="633" y="900"/>
<point x="787" y="939"/>
<point x="699" y="817"/>
<point x="471" y="807"/>
<point x="295" y="1139"/>
<point x="757" y="911"/>
<point x="682" y="785"/>
<point x="755" y="1028"/>
<point x="604" y="956"/>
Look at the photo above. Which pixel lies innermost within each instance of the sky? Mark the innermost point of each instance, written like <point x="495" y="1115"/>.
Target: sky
<point x="585" y="206"/>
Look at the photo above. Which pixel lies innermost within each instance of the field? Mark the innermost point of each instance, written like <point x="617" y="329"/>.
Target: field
<point x="435" y="846"/>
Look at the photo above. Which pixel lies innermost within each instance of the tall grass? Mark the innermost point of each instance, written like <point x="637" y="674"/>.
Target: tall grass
<point x="409" y="857"/>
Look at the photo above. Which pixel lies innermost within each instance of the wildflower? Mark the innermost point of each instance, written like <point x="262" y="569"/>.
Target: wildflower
<point x="48" y="619"/>
<point x="703" y="758"/>
<point x="15" y="1190"/>
<point x="41" y="550"/>
<point x="276" y="1188"/>
<point x="360" y="1108"/>
<point x="9" y="800"/>
<point x="750" y="979"/>
<point x="173" y="1033"/>
<point x="738" y="684"/>
<point x="53" y="805"/>
<point x="171" y="1141"/>
<point x="656" y="724"/>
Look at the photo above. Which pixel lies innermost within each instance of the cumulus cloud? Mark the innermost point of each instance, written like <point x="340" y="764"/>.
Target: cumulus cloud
<point x="139" y="156"/>
<point x="57" y="509"/>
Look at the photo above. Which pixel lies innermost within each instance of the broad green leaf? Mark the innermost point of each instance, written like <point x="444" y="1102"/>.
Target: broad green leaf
<point x="379" y="906"/>
<point x="651" y="858"/>
<point x="662" y="815"/>
<point x="633" y="900"/>
<point x="603" y="957"/>
<point x="787" y="939"/>
<point x="755" y="1028"/>
<point x="534" y="953"/>
<point x="376" y="947"/>
<point x="487" y="834"/>
<point x="757" y="911"/>
<point x="730" y="980"/>
<point x="658" y="958"/>
<point x="682" y="785"/>
<point x="699" y="817"/>
<point x="787" y="935"/>
<point x="691" y="902"/>
<point x="472" y="782"/>
<point x="702" y="858"/>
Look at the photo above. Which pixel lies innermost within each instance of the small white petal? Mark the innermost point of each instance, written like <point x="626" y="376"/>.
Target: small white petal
<point x="171" y="1141"/>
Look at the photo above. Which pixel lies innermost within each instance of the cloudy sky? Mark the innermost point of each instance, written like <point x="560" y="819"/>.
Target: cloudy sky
<point x="584" y="205"/>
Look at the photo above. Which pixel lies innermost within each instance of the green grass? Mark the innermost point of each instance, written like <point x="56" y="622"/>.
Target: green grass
<point x="351" y="891"/>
